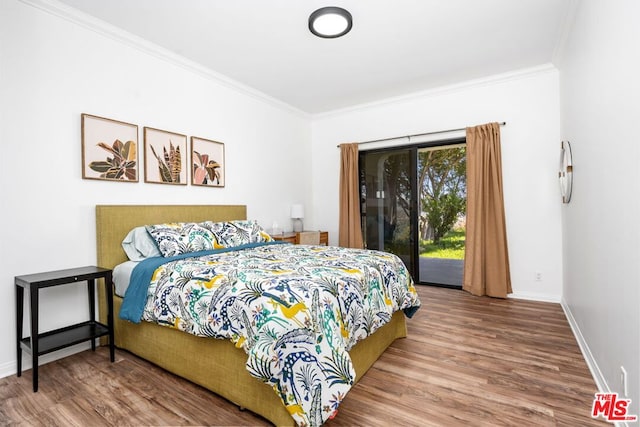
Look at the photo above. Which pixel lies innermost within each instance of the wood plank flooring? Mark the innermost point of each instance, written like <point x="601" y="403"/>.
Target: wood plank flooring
<point x="467" y="361"/>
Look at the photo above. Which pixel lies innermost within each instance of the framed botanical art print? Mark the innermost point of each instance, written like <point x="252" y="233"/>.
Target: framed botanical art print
<point x="165" y="157"/>
<point x="109" y="149"/>
<point x="207" y="161"/>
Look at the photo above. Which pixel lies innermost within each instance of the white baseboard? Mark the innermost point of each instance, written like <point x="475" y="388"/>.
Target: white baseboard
<point x="11" y="368"/>
<point x="601" y="382"/>
<point x="535" y="297"/>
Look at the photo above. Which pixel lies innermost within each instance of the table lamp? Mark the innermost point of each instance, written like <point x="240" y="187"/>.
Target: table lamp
<point x="297" y="213"/>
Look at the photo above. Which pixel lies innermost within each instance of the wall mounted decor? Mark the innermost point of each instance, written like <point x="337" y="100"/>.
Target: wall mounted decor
<point x="566" y="171"/>
<point x="165" y="157"/>
<point x="109" y="149"/>
<point x="207" y="160"/>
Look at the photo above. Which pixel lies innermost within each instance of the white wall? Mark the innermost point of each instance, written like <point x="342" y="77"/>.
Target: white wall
<point x="51" y="71"/>
<point x="528" y="102"/>
<point x="599" y="91"/>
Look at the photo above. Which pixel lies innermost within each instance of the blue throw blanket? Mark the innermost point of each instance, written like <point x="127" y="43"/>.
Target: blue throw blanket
<point x="136" y="295"/>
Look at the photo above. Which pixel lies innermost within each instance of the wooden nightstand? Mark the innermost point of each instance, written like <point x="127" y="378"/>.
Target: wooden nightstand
<point x="292" y="237"/>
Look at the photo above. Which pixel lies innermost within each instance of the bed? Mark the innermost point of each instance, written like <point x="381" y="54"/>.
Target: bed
<point x="218" y="365"/>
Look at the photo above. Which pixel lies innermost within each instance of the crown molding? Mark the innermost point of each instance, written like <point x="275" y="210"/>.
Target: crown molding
<point x="443" y="90"/>
<point x="119" y="35"/>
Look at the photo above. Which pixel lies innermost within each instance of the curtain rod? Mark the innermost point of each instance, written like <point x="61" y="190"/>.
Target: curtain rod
<point x="415" y="135"/>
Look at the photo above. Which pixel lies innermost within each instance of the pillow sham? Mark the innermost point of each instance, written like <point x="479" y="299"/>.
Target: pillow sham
<point x="230" y="234"/>
<point x="182" y="237"/>
<point x="138" y="244"/>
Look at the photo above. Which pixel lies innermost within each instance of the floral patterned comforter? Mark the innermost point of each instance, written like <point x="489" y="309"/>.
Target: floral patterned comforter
<point x="296" y="310"/>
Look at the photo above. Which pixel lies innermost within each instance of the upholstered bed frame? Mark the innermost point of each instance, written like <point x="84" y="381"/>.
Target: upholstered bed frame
<point x="214" y="364"/>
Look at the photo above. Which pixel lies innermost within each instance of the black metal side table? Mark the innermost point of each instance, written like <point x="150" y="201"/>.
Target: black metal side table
<point x="42" y="343"/>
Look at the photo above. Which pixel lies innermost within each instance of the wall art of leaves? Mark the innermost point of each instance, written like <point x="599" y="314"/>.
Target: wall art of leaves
<point x="165" y="159"/>
<point x="169" y="165"/>
<point x="123" y="163"/>
<point x="207" y="161"/>
<point x="104" y="154"/>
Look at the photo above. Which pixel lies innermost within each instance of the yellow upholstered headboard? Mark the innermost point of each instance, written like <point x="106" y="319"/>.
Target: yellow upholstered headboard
<point x="113" y="222"/>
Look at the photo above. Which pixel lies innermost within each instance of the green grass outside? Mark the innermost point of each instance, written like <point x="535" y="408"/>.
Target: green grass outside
<point x="450" y="246"/>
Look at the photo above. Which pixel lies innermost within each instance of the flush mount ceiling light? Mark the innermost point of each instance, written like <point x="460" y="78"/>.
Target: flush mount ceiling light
<point x="330" y="22"/>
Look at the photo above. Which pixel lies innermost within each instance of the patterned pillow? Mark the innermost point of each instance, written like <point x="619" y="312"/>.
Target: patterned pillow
<point x="230" y="234"/>
<point x="182" y="237"/>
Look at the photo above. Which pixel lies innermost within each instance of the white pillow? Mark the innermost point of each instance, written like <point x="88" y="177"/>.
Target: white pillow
<point x="139" y="245"/>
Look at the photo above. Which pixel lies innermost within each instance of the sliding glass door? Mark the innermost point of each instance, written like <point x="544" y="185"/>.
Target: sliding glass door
<point x="388" y="202"/>
<point x="413" y="202"/>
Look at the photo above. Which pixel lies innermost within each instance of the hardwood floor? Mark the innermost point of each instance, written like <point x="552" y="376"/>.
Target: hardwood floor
<point x="466" y="361"/>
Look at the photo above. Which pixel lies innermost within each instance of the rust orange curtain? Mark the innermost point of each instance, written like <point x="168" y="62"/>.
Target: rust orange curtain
<point x="349" y="231"/>
<point x="486" y="263"/>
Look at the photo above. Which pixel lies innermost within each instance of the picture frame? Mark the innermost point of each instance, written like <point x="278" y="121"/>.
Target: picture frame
<point x="109" y="149"/>
<point x="165" y="157"/>
<point x="207" y="162"/>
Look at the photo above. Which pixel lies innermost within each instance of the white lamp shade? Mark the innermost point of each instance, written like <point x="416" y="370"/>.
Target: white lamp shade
<point x="297" y="211"/>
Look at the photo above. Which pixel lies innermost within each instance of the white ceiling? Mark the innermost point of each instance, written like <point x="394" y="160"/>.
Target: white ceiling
<point x="396" y="47"/>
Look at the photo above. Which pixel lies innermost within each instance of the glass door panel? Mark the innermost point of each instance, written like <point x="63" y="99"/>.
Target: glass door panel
<point x="387" y="185"/>
<point x="442" y="192"/>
